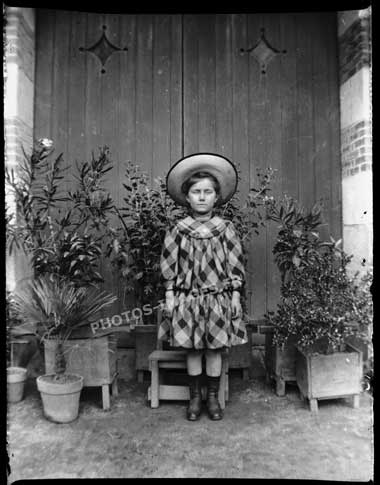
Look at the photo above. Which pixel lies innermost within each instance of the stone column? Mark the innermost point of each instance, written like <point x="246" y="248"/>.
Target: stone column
<point x="19" y="66"/>
<point x="354" y="31"/>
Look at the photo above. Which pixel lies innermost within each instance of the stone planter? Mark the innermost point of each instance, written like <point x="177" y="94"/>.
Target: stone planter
<point x="60" y="399"/>
<point x="329" y="376"/>
<point x="93" y="358"/>
<point x="280" y="363"/>
<point x="16" y="377"/>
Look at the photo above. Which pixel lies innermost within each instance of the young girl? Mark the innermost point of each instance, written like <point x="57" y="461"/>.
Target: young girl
<point x="202" y="268"/>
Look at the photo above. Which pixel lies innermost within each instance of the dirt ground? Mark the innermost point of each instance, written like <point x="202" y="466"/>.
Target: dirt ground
<point x="261" y="436"/>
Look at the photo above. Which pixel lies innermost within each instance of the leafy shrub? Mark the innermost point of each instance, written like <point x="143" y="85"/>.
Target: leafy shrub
<point x="320" y="304"/>
<point x="62" y="230"/>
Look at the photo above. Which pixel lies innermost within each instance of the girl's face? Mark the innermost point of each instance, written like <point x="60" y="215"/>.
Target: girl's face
<point x="202" y="197"/>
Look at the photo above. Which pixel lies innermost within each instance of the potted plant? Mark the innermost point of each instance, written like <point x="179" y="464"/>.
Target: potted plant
<point x="296" y="226"/>
<point x="64" y="232"/>
<point x="146" y="213"/>
<point x="16" y="375"/>
<point x="57" y="307"/>
<point x="145" y="216"/>
<point x="22" y="343"/>
<point x="319" y="309"/>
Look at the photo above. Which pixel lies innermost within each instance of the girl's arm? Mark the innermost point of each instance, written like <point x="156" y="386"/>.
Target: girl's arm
<point x="235" y="268"/>
<point x="235" y="261"/>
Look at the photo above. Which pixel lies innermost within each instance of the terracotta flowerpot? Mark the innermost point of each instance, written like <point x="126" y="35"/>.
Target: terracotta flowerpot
<point x="16" y="377"/>
<point x="60" y="399"/>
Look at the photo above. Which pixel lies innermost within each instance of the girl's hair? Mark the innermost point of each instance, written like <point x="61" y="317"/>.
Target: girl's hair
<point x="196" y="177"/>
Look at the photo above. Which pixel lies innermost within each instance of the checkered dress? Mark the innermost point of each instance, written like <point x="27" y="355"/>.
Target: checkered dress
<point x="202" y="262"/>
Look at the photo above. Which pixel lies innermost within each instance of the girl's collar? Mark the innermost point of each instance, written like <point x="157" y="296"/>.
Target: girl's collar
<point x="203" y="230"/>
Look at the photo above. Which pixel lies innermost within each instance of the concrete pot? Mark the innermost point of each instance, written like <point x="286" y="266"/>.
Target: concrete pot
<point x="16" y="377"/>
<point x="60" y="400"/>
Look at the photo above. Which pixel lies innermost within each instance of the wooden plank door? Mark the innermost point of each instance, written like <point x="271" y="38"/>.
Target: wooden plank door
<point x="184" y="85"/>
<point x="134" y="106"/>
<point x="285" y="118"/>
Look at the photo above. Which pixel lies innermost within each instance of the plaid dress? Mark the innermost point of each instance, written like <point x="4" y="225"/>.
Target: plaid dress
<point x="202" y="262"/>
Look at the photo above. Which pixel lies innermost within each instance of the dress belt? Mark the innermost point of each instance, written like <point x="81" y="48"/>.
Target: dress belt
<point x="213" y="289"/>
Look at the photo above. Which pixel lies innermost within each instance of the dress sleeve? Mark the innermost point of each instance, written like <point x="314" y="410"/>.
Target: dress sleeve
<point x="169" y="258"/>
<point x="235" y="260"/>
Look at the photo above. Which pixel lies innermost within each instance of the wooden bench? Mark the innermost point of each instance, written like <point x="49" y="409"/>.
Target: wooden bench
<point x="161" y="360"/>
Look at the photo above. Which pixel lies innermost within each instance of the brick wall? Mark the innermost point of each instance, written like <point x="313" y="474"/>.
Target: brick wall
<point x="354" y="48"/>
<point x="356" y="148"/>
<point x="354" y="30"/>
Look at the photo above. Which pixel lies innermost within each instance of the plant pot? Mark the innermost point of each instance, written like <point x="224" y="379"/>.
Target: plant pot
<point x="60" y="400"/>
<point x="95" y="359"/>
<point x="329" y="376"/>
<point x="280" y="362"/>
<point x="16" y="377"/>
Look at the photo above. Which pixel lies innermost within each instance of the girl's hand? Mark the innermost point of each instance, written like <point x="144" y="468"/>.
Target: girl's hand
<point x="236" y="305"/>
<point x="169" y="303"/>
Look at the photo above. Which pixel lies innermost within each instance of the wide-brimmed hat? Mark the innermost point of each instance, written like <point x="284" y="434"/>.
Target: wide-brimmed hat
<point x="218" y="166"/>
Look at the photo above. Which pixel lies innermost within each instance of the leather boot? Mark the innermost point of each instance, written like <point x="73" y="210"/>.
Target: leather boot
<point x="195" y="403"/>
<point x="213" y="406"/>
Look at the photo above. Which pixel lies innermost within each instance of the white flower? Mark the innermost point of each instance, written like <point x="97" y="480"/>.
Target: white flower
<point x="46" y="143"/>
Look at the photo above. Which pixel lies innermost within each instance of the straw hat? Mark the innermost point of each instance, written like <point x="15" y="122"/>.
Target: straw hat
<point x="220" y="167"/>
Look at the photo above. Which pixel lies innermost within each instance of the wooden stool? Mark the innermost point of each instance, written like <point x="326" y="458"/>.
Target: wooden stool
<point x="176" y="359"/>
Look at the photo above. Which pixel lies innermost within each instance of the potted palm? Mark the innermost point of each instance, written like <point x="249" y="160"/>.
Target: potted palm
<point x="64" y="233"/>
<point x="56" y="307"/>
<point x="320" y="309"/>
<point x="145" y="216"/>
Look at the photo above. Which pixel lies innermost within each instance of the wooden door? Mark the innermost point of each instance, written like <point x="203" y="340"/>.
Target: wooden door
<point x="184" y="85"/>
<point x="286" y="118"/>
<point x="134" y="106"/>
